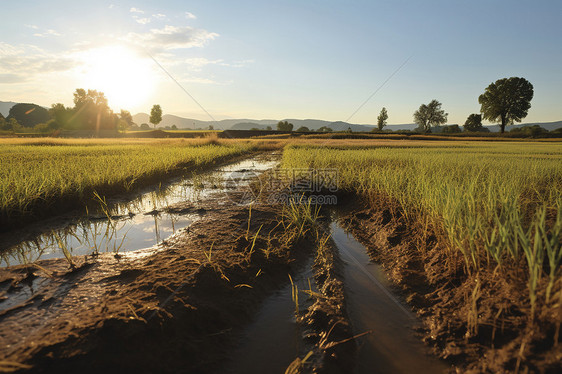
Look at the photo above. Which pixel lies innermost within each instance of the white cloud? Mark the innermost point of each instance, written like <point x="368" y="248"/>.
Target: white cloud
<point x="142" y="21"/>
<point x="159" y="16"/>
<point x="34" y="27"/>
<point x="136" y="10"/>
<point x="239" y="63"/>
<point x="47" y="33"/>
<point x="111" y="6"/>
<point x="171" y="37"/>
<point x="25" y="62"/>
<point x="190" y="15"/>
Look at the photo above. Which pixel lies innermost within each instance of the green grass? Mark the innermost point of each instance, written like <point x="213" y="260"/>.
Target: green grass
<point x="496" y="203"/>
<point x="41" y="173"/>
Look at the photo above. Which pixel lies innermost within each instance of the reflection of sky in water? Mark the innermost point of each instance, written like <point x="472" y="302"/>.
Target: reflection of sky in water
<point x="132" y="228"/>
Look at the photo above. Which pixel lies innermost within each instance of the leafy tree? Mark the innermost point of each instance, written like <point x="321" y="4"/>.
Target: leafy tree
<point x="174" y="127"/>
<point x="325" y="129"/>
<point x="430" y="115"/>
<point x="156" y="115"/>
<point x="60" y="114"/>
<point x="211" y="127"/>
<point x="473" y="122"/>
<point x="507" y="100"/>
<point x="9" y="124"/>
<point x="303" y="129"/>
<point x="268" y="128"/>
<point x="127" y="117"/>
<point x="451" y="129"/>
<point x="91" y="111"/>
<point x="284" y="126"/>
<point x="381" y="119"/>
<point x="144" y="126"/>
<point x="29" y="115"/>
<point x="530" y="130"/>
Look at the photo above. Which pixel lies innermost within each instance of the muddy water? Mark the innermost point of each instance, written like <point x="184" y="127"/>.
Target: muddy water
<point x="392" y="346"/>
<point x="136" y="223"/>
<point x="274" y="339"/>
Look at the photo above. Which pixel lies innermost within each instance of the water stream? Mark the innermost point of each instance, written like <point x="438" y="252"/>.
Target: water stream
<point x="392" y="346"/>
<point x="135" y="223"/>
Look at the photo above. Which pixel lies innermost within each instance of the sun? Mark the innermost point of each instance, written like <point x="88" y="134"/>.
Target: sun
<point x="125" y="77"/>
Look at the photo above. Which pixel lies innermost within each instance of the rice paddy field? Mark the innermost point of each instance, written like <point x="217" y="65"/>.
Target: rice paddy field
<point x="37" y="174"/>
<point x="496" y="204"/>
<point x="494" y="212"/>
<point x="465" y="236"/>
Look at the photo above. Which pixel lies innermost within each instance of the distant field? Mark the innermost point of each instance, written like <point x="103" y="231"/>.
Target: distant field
<point x="40" y="173"/>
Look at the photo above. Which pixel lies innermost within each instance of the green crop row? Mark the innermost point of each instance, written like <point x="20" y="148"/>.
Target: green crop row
<point x="495" y="202"/>
<point x="35" y="174"/>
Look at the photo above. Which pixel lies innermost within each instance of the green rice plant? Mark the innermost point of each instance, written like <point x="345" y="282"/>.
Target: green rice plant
<point x="38" y="175"/>
<point x="295" y="295"/>
<point x="553" y="248"/>
<point x="300" y="215"/>
<point x="65" y="251"/>
<point x="493" y="201"/>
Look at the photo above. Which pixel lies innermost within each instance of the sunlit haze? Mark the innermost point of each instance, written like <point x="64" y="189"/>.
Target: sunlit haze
<point x="283" y="59"/>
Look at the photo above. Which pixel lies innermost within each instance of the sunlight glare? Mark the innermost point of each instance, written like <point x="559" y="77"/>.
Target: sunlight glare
<point x="126" y="78"/>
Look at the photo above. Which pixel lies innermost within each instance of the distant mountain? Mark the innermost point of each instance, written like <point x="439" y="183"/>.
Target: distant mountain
<point x="5" y="107"/>
<point x="189" y="123"/>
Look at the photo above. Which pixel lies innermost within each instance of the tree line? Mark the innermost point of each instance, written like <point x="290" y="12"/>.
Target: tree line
<point x="506" y="101"/>
<point x="90" y="112"/>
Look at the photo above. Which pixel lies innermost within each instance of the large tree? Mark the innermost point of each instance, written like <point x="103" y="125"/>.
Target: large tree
<point x="473" y="122"/>
<point x="284" y="126"/>
<point x="156" y="115"/>
<point x="507" y="100"/>
<point x="430" y="115"/>
<point x="91" y="111"/>
<point x="126" y="116"/>
<point x="381" y="119"/>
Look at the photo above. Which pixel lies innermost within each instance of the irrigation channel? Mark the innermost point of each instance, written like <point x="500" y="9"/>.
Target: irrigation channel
<point x="274" y="339"/>
<point x="124" y="224"/>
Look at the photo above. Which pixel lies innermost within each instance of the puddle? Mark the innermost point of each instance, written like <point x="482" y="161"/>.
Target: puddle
<point x="274" y="339"/>
<point x="136" y="223"/>
<point x="392" y="346"/>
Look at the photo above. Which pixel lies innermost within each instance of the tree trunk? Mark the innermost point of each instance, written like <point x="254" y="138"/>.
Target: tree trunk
<point x="502" y="126"/>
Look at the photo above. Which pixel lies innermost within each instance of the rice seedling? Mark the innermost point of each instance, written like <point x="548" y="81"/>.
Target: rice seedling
<point x="496" y="203"/>
<point x="34" y="177"/>
<point x="63" y="247"/>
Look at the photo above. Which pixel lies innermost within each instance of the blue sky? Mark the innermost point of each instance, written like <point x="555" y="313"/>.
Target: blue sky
<point x="282" y="59"/>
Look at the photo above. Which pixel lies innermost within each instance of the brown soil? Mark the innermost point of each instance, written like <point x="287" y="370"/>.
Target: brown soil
<point x="331" y="345"/>
<point x="478" y="322"/>
<point x="172" y="308"/>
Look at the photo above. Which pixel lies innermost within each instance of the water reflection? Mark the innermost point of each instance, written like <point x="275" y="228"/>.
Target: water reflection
<point x="120" y="225"/>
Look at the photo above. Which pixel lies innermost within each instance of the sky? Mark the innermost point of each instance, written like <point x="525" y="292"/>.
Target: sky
<point x="304" y="59"/>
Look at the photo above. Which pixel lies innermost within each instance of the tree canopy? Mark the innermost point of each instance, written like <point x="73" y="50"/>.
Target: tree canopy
<point x="381" y="119"/>
<point x="473" y="122"/>
<point x="91" y="111"/>
<point x="156" y="115"/>
<point x="303" y="129"/>
<point x="430" y="115"/>
<point x="127" y="117"/>
<point x="284" y="126"/>
<point x="29" y="115"/>
<point x="507" y="100"/>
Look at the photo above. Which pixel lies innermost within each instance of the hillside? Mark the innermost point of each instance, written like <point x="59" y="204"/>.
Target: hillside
<point x="5" y="107"/>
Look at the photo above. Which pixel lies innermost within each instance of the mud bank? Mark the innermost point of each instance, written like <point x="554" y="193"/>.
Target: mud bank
<point x="170" y="308"/>
<point x="476" y="322"/>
